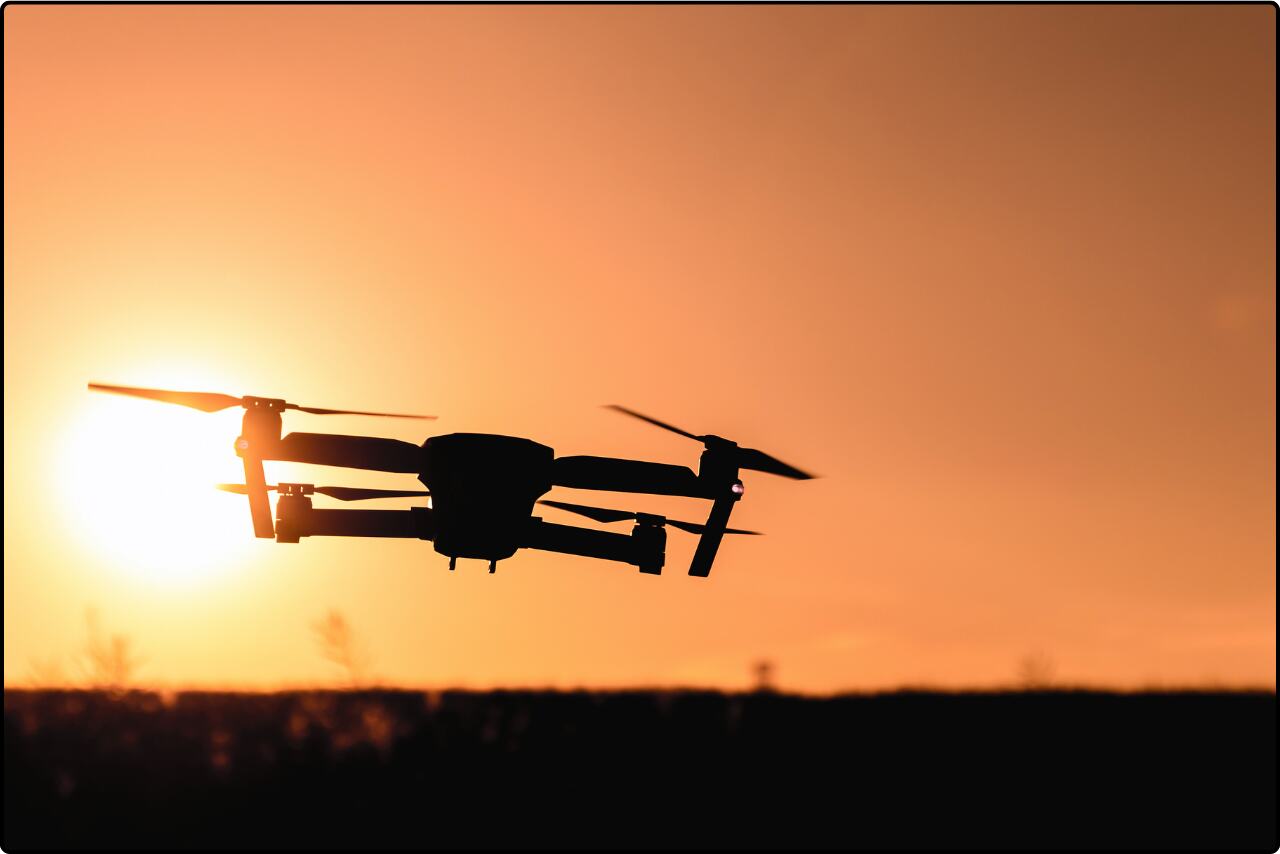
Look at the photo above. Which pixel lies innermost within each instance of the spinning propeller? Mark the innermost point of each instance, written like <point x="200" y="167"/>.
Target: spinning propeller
<point x="605" y="514"/>
<point x="342" y="493"/>
<point x="261" y="430"/>
<point x="207" y="401"/>
<point x="745" y="458"/>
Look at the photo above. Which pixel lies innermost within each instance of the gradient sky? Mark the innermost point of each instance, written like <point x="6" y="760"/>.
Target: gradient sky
<point x="1004" y="276"/>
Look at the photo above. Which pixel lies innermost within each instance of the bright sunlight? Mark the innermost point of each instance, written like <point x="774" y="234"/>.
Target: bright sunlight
<point x="138" y="486"/>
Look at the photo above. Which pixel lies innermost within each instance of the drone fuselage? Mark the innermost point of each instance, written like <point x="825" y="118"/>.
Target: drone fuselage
<point x="483" y="487"/>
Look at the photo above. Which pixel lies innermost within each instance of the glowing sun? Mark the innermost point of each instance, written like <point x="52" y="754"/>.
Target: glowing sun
<point x="137" y="482"/>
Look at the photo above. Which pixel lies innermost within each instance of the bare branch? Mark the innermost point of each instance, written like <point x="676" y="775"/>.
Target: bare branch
<point x="339" y="645"/>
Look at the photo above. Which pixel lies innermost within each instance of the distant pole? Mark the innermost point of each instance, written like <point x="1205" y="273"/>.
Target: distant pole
<point x="763" y="670"/>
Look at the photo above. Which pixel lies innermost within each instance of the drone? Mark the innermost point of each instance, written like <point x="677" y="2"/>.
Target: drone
<point x="481" y="488"/>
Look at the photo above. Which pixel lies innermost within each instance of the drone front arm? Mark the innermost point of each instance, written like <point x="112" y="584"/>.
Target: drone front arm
<point x="259" y="431"/>
<point x="256" y="487"/>
<point x="618" y="475"/>
<point x="713" y="533"/>
<point x="357" y="452"/>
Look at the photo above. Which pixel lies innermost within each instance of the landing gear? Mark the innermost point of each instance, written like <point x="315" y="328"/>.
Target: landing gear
<point x="453" y="564"/>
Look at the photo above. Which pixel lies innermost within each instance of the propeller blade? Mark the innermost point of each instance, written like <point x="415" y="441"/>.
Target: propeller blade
<point x="655" y="422"/>
<point x="747" y="458"/>
<point x="750" y="458"/>
<point x="694" y="528"/>
<point x="605" y="514"/>
<point x="342" y="493"/>
<point x="350" y="493"/>
<point x="214" y="402"/>
<point x="600" y="514"/>
<point x="202" y="400"/>
<point x="315" y="411"/>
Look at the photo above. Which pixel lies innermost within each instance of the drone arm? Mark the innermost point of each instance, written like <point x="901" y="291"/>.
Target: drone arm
<point x="259" y="432"/>
<point x="618" y="475"/>
<point x="256" y="488"/>
<point x="358" y="452"/>
<point x="713" y="533"/>
<point x="567" y="539"/>
<point x="369" y="523"/>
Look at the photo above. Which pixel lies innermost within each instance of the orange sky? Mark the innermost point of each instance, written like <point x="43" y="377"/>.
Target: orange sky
<point x="1004" y="276"/>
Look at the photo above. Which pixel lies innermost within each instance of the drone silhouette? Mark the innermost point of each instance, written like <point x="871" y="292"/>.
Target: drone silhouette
<point x="483" y="487"/>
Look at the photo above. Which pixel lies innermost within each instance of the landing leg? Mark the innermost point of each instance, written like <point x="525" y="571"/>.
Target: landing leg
<point x="453" y="564"/>
<point x="493" y="567"/>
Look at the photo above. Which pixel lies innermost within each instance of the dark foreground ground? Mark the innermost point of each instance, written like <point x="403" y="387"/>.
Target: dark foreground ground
<point x="391" y="769"/>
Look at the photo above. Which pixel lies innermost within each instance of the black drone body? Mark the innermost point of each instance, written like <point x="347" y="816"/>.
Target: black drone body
<point x="483" y="487"/>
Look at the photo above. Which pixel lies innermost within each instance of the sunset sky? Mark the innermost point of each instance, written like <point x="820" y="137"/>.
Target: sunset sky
<point x="1003" y="276"/>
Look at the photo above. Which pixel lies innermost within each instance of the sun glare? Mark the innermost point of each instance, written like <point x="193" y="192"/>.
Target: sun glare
<point x="138" y="487"/>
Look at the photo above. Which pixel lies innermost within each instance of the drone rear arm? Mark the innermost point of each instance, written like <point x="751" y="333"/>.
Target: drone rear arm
<point x="644" y="553"/>
<point x="368" y="523"/>
<point x="296" y="518"/>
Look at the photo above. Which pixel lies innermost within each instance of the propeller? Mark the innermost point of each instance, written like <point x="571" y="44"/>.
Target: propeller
<point x="342" y="493"/>
<point x="605" y="514"/>
<point x="214" y="402"/>
<point x="747" y="458"/>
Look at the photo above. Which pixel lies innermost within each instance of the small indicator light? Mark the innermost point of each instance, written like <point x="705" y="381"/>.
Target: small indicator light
<point x="738" y="488"/>
<point x="242" y="444"/>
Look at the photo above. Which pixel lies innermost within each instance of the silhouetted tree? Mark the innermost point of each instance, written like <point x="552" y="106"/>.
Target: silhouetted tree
<point x="339" y="645"/>
<point x="1035" y="672"/>
<point x="108" y="662"/>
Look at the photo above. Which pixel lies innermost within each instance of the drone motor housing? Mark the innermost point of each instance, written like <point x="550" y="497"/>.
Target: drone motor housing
<point x="291" y="509"/>
<point x="650" y="534"/>
<point x="717" y="467"/>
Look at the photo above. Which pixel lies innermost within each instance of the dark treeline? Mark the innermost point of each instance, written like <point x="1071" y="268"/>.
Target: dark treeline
<point x="396" y="769"/>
